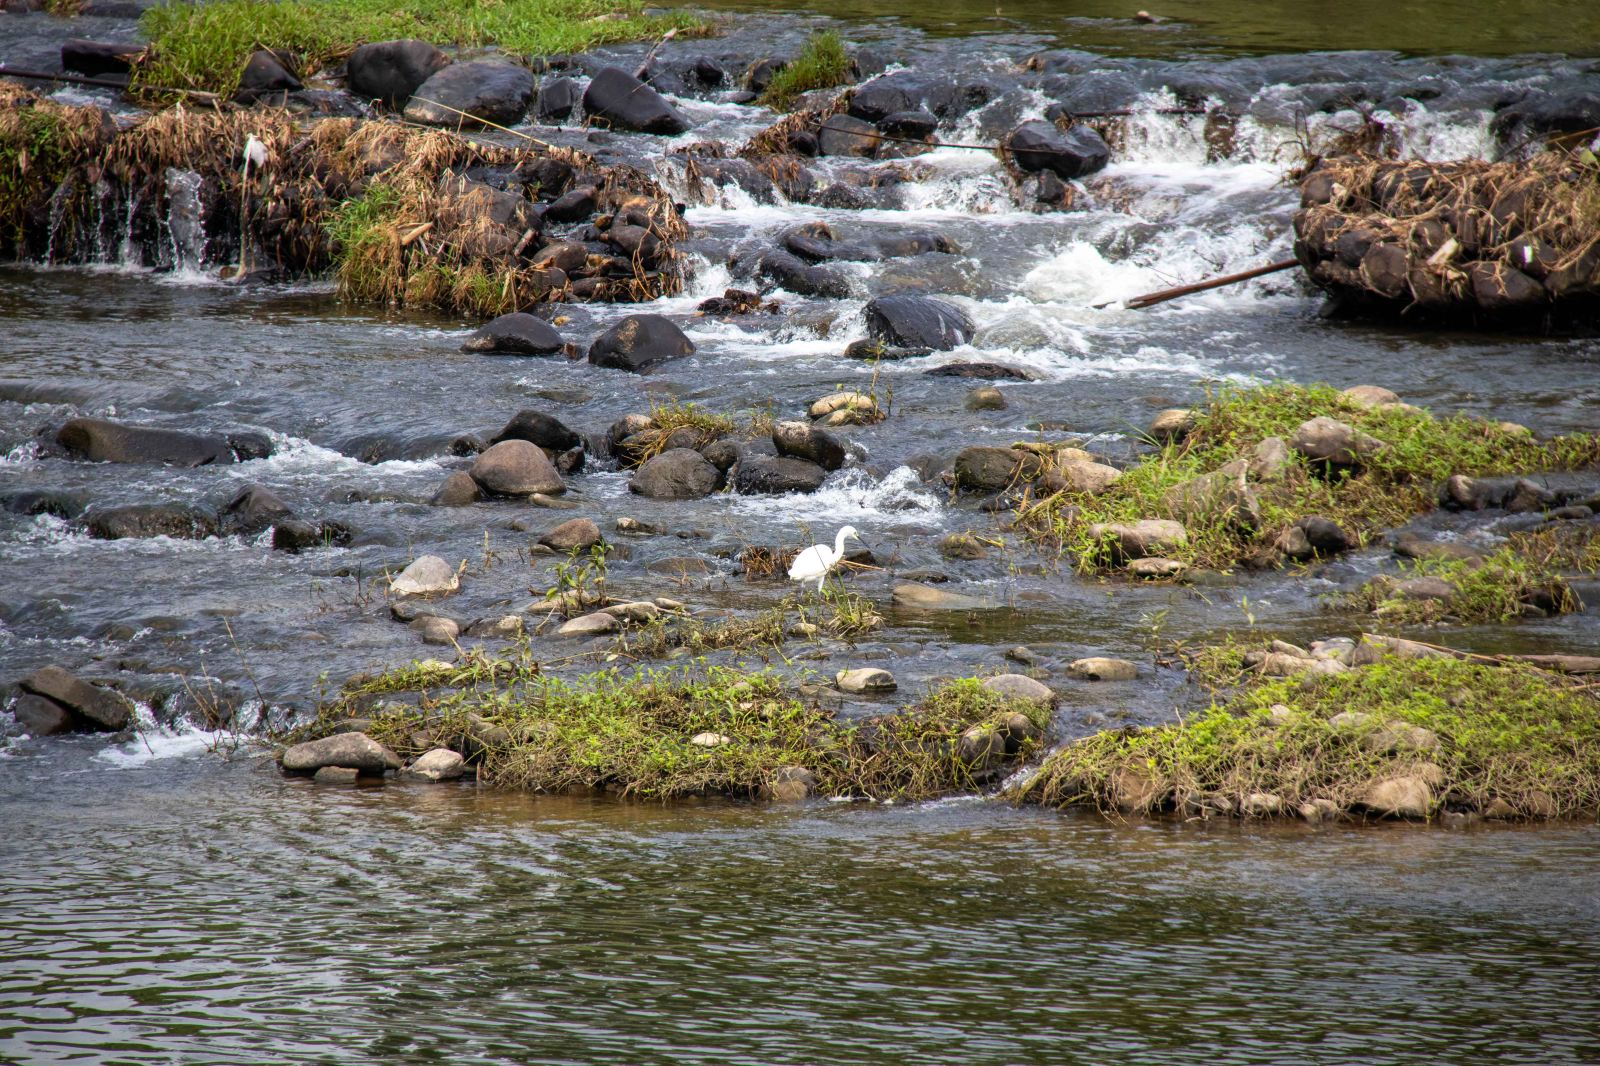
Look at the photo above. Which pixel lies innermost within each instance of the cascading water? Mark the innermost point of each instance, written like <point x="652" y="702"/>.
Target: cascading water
<point x="185" y="224"/>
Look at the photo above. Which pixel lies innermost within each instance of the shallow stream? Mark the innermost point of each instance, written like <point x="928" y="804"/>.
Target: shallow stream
<point x="162" y="902"/>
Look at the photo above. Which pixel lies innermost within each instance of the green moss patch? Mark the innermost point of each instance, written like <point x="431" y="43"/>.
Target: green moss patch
<point x="692" y="732"/>
<point x="205" y="45"/>
<point x="1390" y="486"/>
<point x="1503" y="739"/>
<point x="821" y="64"/>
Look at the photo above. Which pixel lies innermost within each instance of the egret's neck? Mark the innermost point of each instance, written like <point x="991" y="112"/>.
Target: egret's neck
<point x="838" y="544"/>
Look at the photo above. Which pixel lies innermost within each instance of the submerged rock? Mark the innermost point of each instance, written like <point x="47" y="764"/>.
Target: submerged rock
<point x="175" y="520"/>
<point x="918" y="322"/>
<point x="253" y="510"/>
<point x="97" y="440"/>
<point x="927" y="598"/>
<point x="1040" y="145"/>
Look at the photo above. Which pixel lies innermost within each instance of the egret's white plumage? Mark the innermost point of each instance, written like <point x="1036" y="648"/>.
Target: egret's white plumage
<point x="819" y="560"/>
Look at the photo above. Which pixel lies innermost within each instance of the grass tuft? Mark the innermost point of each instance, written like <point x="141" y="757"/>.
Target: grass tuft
<point x="1500" y="587"/>
<point x="821" y="64"/>
<point x="1510" y="733"/>
<point x="205" y="45"/>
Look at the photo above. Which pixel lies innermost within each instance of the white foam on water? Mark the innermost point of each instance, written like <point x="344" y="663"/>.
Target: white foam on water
<point x="23" y="454"/>
<point x="156" y="743"/>
<point x="851" y="495"/>
<point x="296" y="456"/>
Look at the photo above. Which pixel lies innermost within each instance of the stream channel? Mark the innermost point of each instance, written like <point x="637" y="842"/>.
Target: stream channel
<point x="172" y="898"/>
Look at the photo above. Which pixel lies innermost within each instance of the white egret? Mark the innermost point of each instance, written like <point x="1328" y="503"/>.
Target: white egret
<point x="819" y="560"/>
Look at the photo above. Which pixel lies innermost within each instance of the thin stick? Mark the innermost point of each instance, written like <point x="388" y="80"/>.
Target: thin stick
<point x="104" y="83"/>
<point x="650" y="56"/>
<point x="1150" y="299"/>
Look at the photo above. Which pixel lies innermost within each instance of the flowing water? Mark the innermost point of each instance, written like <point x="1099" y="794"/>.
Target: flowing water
<point x="171" y="898"/>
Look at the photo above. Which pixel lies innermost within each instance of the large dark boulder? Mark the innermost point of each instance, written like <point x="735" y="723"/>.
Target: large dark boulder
<point x="1565" y="107"/>
<point x="791" y="273"/>
<point x="901" y="91"/>
<point x="536" y="427"/>
<point x="92" y="706"/>
<point x="916" y="124"/>
<point x="175" y="520"/>
<point x="638" y="343"/>
<point x="518" y="333"/>
<point x="627" y="103"/>
<point x="99" y="441"/>
<point x="516" y="468"/>
<point x="556" y="100"/>
<point x="1076" y="153"/>
<point x="391" y="71"/>
<point x="677" y="474"/>
<point x="802" y="440"/>
<point x="98" y="57"/>
<point x="918" y="322"/>
<point x="484" y="90"/>
<point x="980" y="370"/>
<point x="847" y="135"/>
<point x="764" y="474"/>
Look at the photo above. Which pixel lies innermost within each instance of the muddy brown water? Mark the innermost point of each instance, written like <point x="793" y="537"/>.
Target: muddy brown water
<point x="168" y="897"/>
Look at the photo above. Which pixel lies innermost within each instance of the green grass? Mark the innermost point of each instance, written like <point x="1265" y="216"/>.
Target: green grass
<point x="1507" y="733"/>
<point x="1500" y="587"/>
<point x="631" y="733"/>
<point x="1394" y="486"/>
<point x="366" y="255"/>
<point x="205" y="45"/>
<point x="821" y="64"/>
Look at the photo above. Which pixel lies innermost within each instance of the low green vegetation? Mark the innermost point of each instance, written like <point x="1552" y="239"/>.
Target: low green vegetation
<point x="205" y="45"/>
<point x="1506" y="740"/>
<point x="690" y="732"/>
<point x="1500" y="587"/>
<point x="821" y="64"/>
<point x="1390" y="486"/>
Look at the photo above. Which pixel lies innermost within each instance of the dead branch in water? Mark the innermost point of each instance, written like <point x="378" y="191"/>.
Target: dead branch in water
<point x="1150" y="299"/>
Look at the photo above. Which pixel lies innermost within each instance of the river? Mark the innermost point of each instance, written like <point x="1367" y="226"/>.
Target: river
<point x="172" y="898"/>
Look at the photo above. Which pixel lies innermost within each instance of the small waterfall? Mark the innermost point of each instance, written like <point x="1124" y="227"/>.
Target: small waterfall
<point x="185" y="226"/>
<point x="58" y="214"/>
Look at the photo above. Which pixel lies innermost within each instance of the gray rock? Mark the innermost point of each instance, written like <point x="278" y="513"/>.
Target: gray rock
<point x="1219" y="496"/>
<point x="624" y="102"/>
<point x="336" y="775"/>
<point x="1020" y="687"/>
<point x="865" y="681"/>
<point x="353" y="751"/>
<point x="576" y="535"/>
<point x="988" y="469"/>
<point x="791" y="784"/>
<point x="98" y="708"/>
<point x="428" y="575"/>
<point x="518" y="333"/>
<point x="925" y="598"/>
<point x="41" y="717"/>
<point x="252" y="510"/>
<point x="1098" y="668"/>
<point x="590" y="625"/>
<point x="1369" y="396"/>
<point x="473" y="93"/>
<point x="1328" y="440"/>
<point x="987" y="398"/>
<point x="436" y="629"/>
<point x="439" y="764"/>
<point x="506" y="627"/>
<point x="1271" y="460"/>
<point x="516" y="468"/>
<point x="764" y="474"/>
<point x="1136" y="540"/>
<point x="638" y="343"/>
<point x="676" y="474"/>
<point x="1403" y="796"/>
<point x="846" y="135"/>
<point x="802" y="440"/>
<point x="556" y="100"/>
<point x="1086" y="476"/>
<point x="175" y="520"/>
<point x="458" y="490"/>
<point x="1174" y="423"/>
<point x="1074" y="153"/>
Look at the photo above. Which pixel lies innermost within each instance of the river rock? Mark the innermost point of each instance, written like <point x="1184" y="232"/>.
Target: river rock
<point x="436" y="629"/>
<point x="96" y="440"/>
<point x="439" y="764"/>
<point x="1133" y="790"/>
<point x="846" y="135"/>
<point x="758" y="475"/>
<point x="1172" y="424"/>
<point x="1324" y="535"/>
<point x="986" y="398"/>
<point x="972" y="368"/>
<point x="1020" y="687"/>
<point x="590" y="625"/>
<point x="1220" y="496"/>
<point x="486" y="90"/>
<point x="1403" y="796"/>
<point x="985" y="468"/>
<point x="252" y="510"/>
<point x="428" y="575"/>
<point x="96" y="707"/>
<point x="865" y="681"/>
<point x="793" y="274"/>
<point x="918" y="322"/>
<point x="99" y="57"/>
<point x="458" y="490"/>
<point x="917" y="125"/>
<point x="391" y="71"/>
<point x="556" y="100"/>
<point x="1099" y="668"/>
<point x="518" y="333"/>
<point x="336" y="775"/>
<point x="1369" y="396"/>
<point x="1153" y="568"/>
<point x="352" y="751"/>
<point x="266" y="73"/>
<point x="791" y="784"/>
<point x="536" y="427"/>
<point x="175" y="520"/>
<point x="1085" y="476"/>
<point x="1327" y="440"/>
<point x="1039" y="145"/>
<point x="638" y="343"/>
<point x="505" y="627"/>
<point x="293" y="535"/>
<point x="962" y="546"/>
<point x="41" y="717"/>
<point x="576" y="535"/>
<point x="677" y="474"/>
<point x="516" y="468"/>
<point x="802" y="440"/>
<point x="626" y="103"/>
<point x="1136" y="540"/>
<point x="927" y="598"/>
